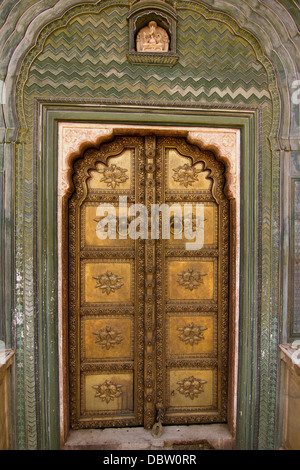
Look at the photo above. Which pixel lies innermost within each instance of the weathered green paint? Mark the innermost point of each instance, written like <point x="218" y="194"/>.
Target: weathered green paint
<point x="47" y="298"/>
<point x="2" y="310"/>
<point x="248" y="396"/>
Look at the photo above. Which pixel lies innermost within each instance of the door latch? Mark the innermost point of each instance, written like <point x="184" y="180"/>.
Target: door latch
<point x="157" y="428"/>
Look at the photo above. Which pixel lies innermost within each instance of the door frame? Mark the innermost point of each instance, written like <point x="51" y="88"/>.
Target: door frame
<point x="52" y="326"/>
<point x="80" y="417"/>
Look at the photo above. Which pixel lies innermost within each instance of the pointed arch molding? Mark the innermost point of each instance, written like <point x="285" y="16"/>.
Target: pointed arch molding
<point x="75" y="138"/>
<point x="269" y="29"/>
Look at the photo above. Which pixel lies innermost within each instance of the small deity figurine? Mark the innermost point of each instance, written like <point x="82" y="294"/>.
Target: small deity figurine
<point x="152" y="38"/>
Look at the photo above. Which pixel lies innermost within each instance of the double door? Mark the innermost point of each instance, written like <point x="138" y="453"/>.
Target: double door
<point x="148" y="285"/>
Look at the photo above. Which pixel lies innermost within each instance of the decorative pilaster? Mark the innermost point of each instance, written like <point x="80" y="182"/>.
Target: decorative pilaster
<point x="150" y="301"/>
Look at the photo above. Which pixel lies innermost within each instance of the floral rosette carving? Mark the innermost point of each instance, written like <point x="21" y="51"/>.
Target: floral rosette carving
<point x="113" y="176"/>
<point x="191" y="387"/>
<point x="108" y="391"/>
<point x="108" y="337"/>
<point x="109" y="282"/>
<point x="190" y="279"/>
<point x="186" y="175"/>
<point x="191" y="334"/>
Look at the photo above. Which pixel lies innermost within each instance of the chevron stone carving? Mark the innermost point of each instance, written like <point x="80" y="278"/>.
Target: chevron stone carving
<point x="75" y="63"/>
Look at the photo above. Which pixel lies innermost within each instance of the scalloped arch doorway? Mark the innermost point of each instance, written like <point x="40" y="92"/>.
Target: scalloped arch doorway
<point x="151" y="325"/>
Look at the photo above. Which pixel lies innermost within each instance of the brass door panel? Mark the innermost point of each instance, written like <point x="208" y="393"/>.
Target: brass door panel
<point x="181" y="176"/>
<point x="191" y="279"/>
<point x="107" y="394"/>
<point x="192" y="335"/>
<point x="106" y="310"/>
<point x="115" y="174"/>
<point x="191" y="390"/>
<point x="109" y="282"/>
<point x="106" y="338"/>
<point x="191" y="347"/>
<point x="148" y="318"/>
<point x="90" y="220"/>
<point x="210" y="225"/>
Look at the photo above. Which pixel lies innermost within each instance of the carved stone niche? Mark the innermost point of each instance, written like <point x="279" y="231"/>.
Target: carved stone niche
<point x="152" y="34"/>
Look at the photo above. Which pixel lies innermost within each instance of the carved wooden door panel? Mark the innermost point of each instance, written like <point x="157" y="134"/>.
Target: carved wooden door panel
<point x="147" y="314"/>
<point x="106" y="284"/>
<point x="192" y="287"/>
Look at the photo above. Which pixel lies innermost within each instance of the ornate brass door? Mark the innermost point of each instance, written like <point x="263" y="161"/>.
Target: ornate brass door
<point x="148" y="315"/>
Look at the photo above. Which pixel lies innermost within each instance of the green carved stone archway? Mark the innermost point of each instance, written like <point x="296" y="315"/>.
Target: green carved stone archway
<point x="64" y="75"/>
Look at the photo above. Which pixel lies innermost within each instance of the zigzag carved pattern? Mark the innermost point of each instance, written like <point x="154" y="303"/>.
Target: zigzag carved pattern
<point x="88" y="57"/>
